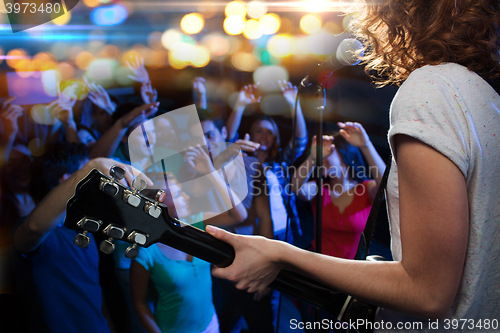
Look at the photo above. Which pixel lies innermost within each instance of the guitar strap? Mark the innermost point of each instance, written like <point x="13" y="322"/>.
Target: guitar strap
<point x="364" y="244"/>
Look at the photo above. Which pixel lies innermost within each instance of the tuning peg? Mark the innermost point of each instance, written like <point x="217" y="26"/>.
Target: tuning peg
<point x="132" y="251"/>
<point x="132" y="198"/>
<point x="139" y="184"/>
<point x="107" y="246"/>
<point x="89" y="224"/>
<point x="152" y="208"/>
<point x="114" y="231"/>
<point x="109" y="186"/>
<point x="82" y="240"/>
<point x="117" y="172"/>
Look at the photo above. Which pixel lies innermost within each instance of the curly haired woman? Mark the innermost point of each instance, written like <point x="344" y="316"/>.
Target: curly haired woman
<point x="442" y="193"/>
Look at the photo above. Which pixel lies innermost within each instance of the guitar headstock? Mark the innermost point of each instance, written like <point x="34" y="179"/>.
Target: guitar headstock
<point x="103" y="205"/>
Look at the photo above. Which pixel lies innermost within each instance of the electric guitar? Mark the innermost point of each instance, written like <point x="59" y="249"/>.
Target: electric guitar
<point x="103" y="205"/>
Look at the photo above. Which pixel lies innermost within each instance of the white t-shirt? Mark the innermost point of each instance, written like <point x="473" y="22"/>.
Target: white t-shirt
<point x="457" y="113"/>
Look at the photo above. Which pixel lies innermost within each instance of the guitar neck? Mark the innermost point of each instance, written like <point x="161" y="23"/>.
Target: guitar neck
<point x="204" y="246"/>
<point x="131" y="222"/>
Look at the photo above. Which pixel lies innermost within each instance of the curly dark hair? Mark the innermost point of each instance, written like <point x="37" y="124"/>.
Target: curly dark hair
<point x="403" y="35"/>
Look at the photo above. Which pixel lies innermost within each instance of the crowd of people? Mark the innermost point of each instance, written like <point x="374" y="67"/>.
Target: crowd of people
<point x="163" y="289"/>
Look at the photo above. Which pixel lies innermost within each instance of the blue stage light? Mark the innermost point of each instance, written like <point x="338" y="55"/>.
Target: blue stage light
<point x="107" y="16"/>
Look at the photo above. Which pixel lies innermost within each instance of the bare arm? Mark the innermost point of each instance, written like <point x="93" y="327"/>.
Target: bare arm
<point x="246" y="96"/>
<point x="355" y="134"/>
<point x="300" y="185"/>
<point x="434" y="234"/>
<point x="199" y="160"/>
<point x="263" y="211"/>
<point x="139" y="278"/>
<point x="51" y="210"/>
<point x="9" y="113"/>
<point x="200" y="93"/>
<point x="290" y="93"/>
<point x="109" y="141"/>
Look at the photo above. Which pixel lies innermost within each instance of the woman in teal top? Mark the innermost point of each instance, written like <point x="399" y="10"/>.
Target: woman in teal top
<point x="184" y="286"/>
<point x="183" y="283"/>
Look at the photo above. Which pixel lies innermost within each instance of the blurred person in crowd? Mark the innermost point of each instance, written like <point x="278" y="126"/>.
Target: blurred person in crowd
<point x="231" y="304"/>
<point x="348" y="190"/>
<point x="183" y="283"/>
<point x="54" y="273"/>
<point x="99" y="129"/>
<point x="15" y="176"/>
<point x="270" y="154"/>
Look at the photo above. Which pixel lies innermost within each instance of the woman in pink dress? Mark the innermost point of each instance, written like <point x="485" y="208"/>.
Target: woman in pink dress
<point x="349" y="187"/>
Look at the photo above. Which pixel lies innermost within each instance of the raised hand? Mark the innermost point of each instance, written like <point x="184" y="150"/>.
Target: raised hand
<point x="289" y="91"/>
<point x="328" y="146"/>
<point x="248" y="95"/>
<point x="148" y="94"/>
<point x="199" y="86"/>
<point x="246" y="145"/>
<point x="354" y="134"/>
<point x="8" y="115"/>
<point x="99" y="96"/>
<point x="67" y="98"/>
<point x="140" y="74"/>
<point x="63" y="110"/>
<point x="199" y="160"/>
<point x="139" y="114"/>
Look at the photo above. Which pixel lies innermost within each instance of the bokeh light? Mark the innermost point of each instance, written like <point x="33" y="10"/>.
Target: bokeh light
<point x="102" y="71"/>
<point x="216" y="44"/>
<point x="24" y="68"/>
<point x="121" y="76"/>
<point x="281" y="45"/>
<point x="110" y="51"/>
<point x="36" y="146"/>
<point x="81" y="90"/>
<point x="201" y="58"/>
<point x="268" y="76"/>
<point x="154" y="40"/>
<point x="310" y="24"/>
<point x="15" y="56"/>
<point x="269" y="24"/>
<point x="252" y="29"/>
<point x="83" y="59"/>
<point x="256" y="9"/>
<point x="236" y="8"/>
<point x="60" y="50"/>
<point x="170" y="37"/>
<point x="63" y="19"/>
<point x="66" y="71"/>
<point x="108" y="16"/>
<point x="91" y="3"/>
<point x="73" y="52"/>
<point x="234" y="25"/>
<point x="43" y="61"/>
<point x="207" y="8"/>
<point x="333" y="28"/>
<point x="192" y="23"/>
<point x="244" y="61"/>
<point x="155" y="58"/>
<point x="316" y="5"/>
